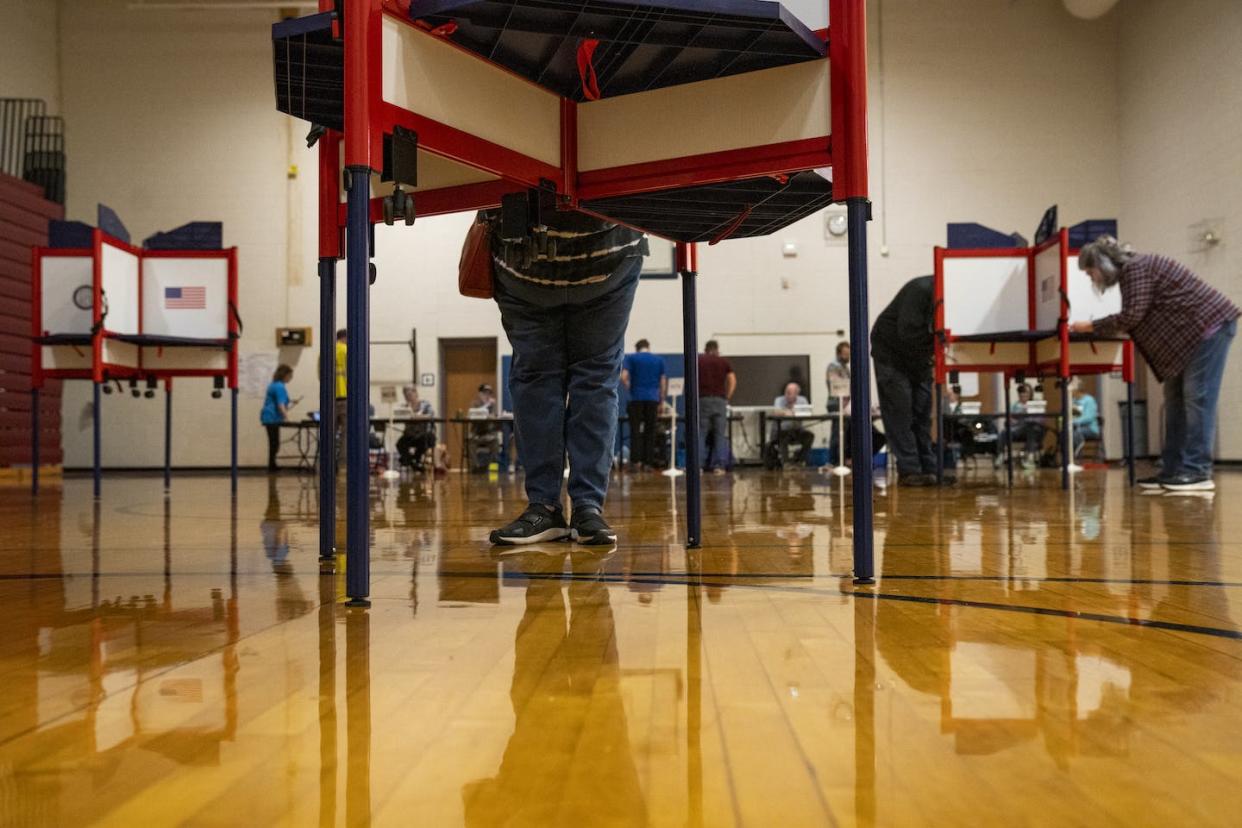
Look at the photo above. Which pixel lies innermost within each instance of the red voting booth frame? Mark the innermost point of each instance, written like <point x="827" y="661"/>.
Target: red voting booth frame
<point x="100" y="371"/>
<point x="344" y="231"/>
<point x="1061" y="364"/>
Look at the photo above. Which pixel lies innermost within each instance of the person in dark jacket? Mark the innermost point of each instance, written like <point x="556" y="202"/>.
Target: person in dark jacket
<point x="1184" y="328"/>
<point x="902" y="346"/>
<point x="565" y="300"/>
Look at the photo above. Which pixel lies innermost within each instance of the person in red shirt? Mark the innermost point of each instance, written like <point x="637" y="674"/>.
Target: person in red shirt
<point x="1184" y="328"/>
<point x="717" y="382"/>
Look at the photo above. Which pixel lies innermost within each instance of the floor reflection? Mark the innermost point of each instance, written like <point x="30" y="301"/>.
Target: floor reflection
<point x="569" y="760"/>
<point x="1029" y="654"/>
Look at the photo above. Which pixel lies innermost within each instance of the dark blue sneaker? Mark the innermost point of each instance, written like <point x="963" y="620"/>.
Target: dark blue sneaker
<point x="590" y="529"/>
<point x="536" y="525"/>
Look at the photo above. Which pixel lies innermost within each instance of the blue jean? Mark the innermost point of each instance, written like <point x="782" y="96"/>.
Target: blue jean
<point x="566" y="367"/>
<point x="714" y="423"/>
<point x="1190" y="407"/>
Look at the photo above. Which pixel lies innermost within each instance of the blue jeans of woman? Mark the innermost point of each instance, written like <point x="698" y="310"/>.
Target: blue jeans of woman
<point x="566" y="368"/>
<point x="1190" y="407"/>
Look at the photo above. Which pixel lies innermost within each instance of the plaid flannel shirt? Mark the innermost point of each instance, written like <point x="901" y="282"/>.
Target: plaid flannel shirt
<point x="1168" y="311"/>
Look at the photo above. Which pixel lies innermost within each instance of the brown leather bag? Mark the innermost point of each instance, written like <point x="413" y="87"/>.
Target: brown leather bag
<point x="474" y="271"/>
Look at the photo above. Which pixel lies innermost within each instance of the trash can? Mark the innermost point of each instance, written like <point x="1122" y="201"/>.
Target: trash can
<point x="1140" y="427"/>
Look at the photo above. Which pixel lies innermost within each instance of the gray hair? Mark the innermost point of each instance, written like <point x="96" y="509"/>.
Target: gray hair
<point x="1109" y="256"/>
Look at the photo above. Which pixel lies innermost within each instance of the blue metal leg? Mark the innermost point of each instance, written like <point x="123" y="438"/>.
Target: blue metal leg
<point x="1008" y="436"/>
<point x="1130" y="431"/>
<point x="860" y="391"/>
<point x="233" y="441"/>
<point x="358" y="381"/>
<point x="167" y="437"/>
<point x="34" y="441"/>
<point x="694" y="465"/>
<point x="327" y="410"/>
<point x="1067" y="433"/>
<point x="941" y="441"/>
<point x="97" y="470"/>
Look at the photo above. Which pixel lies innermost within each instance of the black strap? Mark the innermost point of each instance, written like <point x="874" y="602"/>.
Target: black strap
<point x="237" y="317"/>
<point x="103" y="313"/>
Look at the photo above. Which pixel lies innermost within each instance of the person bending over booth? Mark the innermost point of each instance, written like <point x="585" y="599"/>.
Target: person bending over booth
<point x="902" y="347"/>
<point x="1183" y="327"/>
<point x="566" y="316"/>
<point x="642" y="374"/>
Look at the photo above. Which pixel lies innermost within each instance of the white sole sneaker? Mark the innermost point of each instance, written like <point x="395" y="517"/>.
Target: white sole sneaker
<point x="543" y="537"/>
<point x="1208" y="485"/>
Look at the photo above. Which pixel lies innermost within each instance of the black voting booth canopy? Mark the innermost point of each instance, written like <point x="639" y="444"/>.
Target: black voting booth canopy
<point x="641" y="46"/>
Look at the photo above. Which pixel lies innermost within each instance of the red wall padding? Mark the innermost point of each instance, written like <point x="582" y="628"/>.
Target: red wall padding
<point x="24" y="216"/>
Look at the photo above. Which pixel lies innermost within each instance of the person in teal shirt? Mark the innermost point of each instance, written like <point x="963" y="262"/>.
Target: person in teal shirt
<point x="1086" y="418"/>
<point x="276" y="405"/>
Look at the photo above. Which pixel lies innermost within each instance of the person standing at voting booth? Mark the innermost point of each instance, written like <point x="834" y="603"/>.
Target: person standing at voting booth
<point x="565" y="311"/>
<point x="276" y="405"/>
<point x="1183" y="327"/>
<point x="643" y="375"/>
<point x="902" y="346"/>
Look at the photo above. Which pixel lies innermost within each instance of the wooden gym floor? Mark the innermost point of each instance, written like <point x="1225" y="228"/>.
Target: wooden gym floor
<point x="1034" y="657"/>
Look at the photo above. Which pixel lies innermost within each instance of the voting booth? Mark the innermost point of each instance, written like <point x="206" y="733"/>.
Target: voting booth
<point x="1008" y="310"/>
<point x="691" y="120"/>
<point x="118" y="315"/>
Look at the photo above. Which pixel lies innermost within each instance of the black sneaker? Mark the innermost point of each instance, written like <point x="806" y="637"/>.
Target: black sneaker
<point x="916" y="480"/>
<point x="536" y="525"/>
<point x="1156" y="481"/>
<point x="589" y="528"/>
<point x="1188" y="483"/>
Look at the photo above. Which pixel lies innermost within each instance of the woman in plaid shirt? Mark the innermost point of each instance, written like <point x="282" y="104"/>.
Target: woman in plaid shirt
<point x="1184" y="327"/>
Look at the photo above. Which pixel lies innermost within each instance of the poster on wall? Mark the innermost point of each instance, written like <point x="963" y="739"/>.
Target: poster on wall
<point x="254" y="373"/>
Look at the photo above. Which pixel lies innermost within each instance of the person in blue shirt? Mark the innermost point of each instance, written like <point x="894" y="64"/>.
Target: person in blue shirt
<point x="642" y="374"/>
<point x="1086" y="418"/>
<point x="276" y="405"/>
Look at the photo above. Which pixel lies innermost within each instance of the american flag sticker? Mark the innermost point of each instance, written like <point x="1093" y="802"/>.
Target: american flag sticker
<point x="185" y="298"/>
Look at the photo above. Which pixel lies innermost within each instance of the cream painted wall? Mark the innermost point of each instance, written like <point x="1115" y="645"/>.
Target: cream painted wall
<point x="1181" y="154"/>
<point x="173" y="120"/>
<point x="29" y="53"/>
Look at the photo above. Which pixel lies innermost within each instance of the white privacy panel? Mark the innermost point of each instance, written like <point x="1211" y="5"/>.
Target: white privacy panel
<point x="185" y="297"/>
<point x="64" y="279"/>
<point x="1048" y="287"/>
<point x="185" y="359"/>
<point x="119" y="353"/>
<point x="786" y="103"/>
<point x="1085" y="303"/>
<point x="429" y="77"/>
<point x="985" y="294"/>
<point x="119" y="276"/>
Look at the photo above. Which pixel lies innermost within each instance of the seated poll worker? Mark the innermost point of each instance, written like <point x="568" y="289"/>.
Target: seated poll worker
<point x="642" y="374"/>
<point x="565" y="316"/>
<point x="1184" y="327"/>
<point x="1024" y="428"/>
<point x="902" y="346"/>
<point x="1086" y="420"/>
<point x="790" y="404"/>
<point x="418" y="438"/>
<point x="484" y="437"/>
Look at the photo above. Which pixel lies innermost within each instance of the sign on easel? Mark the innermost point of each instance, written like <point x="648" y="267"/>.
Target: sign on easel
<point x="676" y="386"/>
